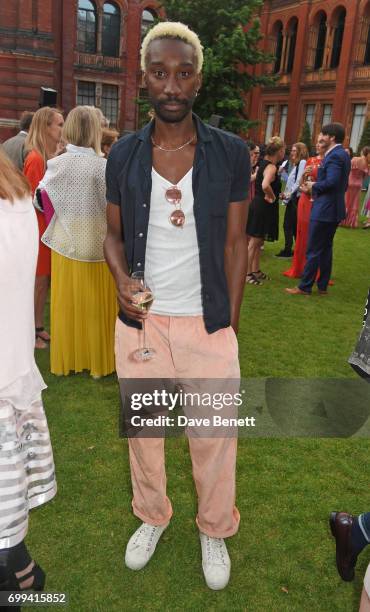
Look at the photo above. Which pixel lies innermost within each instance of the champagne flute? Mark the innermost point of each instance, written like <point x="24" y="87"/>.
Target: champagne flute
<point x="142" y="297"/>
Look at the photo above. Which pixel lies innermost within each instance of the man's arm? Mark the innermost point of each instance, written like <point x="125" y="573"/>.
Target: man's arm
<point x="334" y="173"/>
<point x="236" y="257"/>
<point x="114" y="253"/>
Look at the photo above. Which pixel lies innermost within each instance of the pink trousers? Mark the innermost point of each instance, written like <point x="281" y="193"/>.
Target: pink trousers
<point x="184" y="350"/>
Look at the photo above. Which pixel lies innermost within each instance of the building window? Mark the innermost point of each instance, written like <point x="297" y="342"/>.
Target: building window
<point x="292" y="41"/>
<point x="321" y="40"/>
<point x="111" y="30"/>
<point x="109" y="103"/>
<point x="310" y="116"/>
<point x="85" y="93"/>
<point x="278" y="46"/>
<point x="283" y="120"/>
<point x="86" y="27"/>
<point x="270" y="112"/>
<point x="147" y="20"/>
<point x="338" y="39"/>
<point x="327" y="114"/>
<point x="359" y="116"/>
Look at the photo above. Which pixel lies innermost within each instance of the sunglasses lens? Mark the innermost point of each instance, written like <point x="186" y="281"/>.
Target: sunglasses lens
<point x="177" y="218"/>
<point x="173" y="195"/>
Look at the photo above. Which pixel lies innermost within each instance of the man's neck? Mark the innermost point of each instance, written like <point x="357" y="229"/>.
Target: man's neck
<point x="173" y="134"/>
<point x="332" y="146"/>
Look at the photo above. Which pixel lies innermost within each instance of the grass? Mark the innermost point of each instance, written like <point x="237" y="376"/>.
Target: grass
<point x="283" y="555"/>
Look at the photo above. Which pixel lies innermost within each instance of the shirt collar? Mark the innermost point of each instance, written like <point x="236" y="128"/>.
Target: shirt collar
<point x="71" y="148"/>
<point x="204" y="132"/>
<point x="332" y="148"/>
<point x="23" y="132"/>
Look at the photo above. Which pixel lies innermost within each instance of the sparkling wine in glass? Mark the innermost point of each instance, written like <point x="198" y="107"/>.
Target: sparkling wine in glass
<point x="142" y="297"/>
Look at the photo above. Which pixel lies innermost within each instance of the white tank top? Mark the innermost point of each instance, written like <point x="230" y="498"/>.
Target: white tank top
<point x="172" y="266"/>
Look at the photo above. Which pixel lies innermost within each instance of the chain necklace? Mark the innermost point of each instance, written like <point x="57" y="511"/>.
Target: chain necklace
<point x="173" y="150"/>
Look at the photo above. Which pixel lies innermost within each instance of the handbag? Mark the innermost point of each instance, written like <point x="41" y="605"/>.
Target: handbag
<point x="43" y="203"/>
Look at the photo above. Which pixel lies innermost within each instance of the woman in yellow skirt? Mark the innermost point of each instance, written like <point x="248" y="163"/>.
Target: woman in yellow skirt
<point x="83" y="296"/>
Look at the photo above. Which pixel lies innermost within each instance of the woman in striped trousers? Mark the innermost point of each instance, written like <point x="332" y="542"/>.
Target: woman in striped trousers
<point x="27" y="475"/>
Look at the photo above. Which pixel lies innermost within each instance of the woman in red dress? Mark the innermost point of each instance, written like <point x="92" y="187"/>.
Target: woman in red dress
<point x="41" y="142"/>
<point x="303" y="216"/>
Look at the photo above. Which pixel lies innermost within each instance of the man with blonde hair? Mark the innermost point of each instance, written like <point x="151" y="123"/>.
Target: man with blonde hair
<point x="177" y="208"/>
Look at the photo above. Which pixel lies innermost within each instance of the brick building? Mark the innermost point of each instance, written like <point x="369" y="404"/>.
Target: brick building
<point x="87" y="50"/>
<point x="322" y="61"/>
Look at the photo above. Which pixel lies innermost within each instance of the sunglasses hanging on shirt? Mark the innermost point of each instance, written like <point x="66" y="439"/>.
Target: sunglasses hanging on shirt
<point x="173" y="195"/>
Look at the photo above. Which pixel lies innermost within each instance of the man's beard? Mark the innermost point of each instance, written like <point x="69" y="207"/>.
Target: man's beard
<point x="172" y="116"/>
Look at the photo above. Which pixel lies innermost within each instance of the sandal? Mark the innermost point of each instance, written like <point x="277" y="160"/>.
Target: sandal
<point x="40" y="343"/>
<point x="12" y="577"/>
<point x="261" y="275"/>
<point x="252" y="279"/>
<point x="41" y="333"/>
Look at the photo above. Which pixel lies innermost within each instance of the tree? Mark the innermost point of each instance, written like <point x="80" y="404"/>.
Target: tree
<point x="230" y="33"/>
<point x="306" y="136"/>
<point x="365" y="138"/>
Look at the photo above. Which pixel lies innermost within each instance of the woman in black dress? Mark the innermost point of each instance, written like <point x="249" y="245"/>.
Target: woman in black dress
<point x="263" y="219"/>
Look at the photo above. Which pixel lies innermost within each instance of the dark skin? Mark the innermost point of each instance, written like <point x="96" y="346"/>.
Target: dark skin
<point x="173" y="81"/>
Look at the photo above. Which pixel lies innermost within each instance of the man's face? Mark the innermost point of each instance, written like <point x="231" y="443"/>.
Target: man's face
<point x="325" y="141"/>
<point x="171" y="78"/>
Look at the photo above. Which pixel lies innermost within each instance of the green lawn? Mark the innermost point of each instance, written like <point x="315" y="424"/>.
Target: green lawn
<point x="283" y="555"/>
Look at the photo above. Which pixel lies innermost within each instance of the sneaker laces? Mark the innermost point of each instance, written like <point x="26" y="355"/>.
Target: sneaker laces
<point x="145" y="536"/>
<point x="215" y="549"/>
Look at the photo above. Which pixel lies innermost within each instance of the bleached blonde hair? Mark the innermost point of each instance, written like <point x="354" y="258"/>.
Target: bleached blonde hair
<point x="82" y="128"/>
<point x="176" y="31"/>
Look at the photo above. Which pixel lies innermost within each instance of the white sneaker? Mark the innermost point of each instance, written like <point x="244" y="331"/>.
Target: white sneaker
<point x="141" y="545"/>
<point x="215" y="562"/>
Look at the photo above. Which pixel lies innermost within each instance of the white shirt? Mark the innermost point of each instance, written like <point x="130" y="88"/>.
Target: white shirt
<point x="293" y="183"/>
<point x="20" y="380"/>
<point x="172" y="267"/>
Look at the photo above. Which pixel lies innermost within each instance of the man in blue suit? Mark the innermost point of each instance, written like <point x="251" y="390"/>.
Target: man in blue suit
<point x="328" y="210"/>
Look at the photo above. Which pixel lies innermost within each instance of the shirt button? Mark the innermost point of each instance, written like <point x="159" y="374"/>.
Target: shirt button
<point x="144" y="205"/>
<point x="139" y="264"/>
<point x="141" y="235"/>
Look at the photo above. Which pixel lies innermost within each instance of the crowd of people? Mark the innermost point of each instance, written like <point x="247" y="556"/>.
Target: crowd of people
<point x="171" y="199"/>
<point x="282" y="177"/>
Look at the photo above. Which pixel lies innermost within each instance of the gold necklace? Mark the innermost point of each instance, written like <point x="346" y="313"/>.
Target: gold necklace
<point x="172" y="150"/>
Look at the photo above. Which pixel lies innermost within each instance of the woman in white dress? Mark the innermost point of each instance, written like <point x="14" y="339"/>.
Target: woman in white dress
<point x="27" y="476"/>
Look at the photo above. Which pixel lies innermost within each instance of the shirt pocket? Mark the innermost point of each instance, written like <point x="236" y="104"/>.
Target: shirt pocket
<point x="219" y="194"/>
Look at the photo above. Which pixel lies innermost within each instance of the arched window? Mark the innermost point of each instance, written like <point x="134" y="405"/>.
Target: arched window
<point x="321" y="40"/>
<point x="338" y="38"/>
<point x="278" y="43"/>
<point x="147" y="20"/>
<point x="86" y="27"/>
<point x="111" y="30"/>
<point x="292" y="41"/>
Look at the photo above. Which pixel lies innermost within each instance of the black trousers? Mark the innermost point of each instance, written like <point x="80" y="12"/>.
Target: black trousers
<point x="290" y="224"/>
